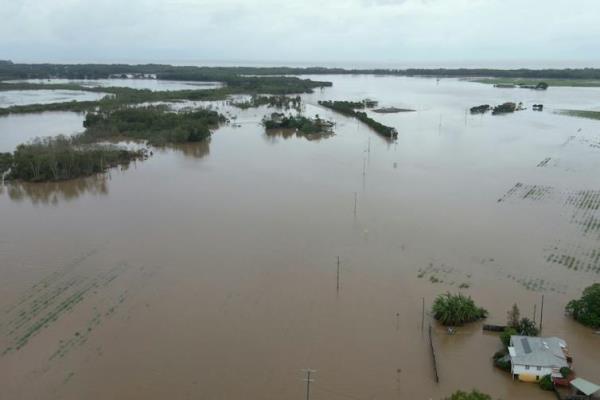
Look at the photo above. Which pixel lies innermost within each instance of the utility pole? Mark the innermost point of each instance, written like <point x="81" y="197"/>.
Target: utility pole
<point x="534" y="312"/>
<point x="308" y="381"/>
<point x="338" y="274"/>
<point x="423" y="316"/>
<point x="541" y="314"/>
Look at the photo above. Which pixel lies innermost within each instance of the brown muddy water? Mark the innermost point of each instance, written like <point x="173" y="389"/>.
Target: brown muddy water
<point x="209" y="271"/>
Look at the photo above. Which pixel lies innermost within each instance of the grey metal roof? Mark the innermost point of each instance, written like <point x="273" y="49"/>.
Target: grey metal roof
<point x="536" y="351"/>
<point x="586" y="387"/>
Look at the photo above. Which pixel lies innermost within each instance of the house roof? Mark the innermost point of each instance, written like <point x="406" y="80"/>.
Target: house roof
<point x="536" y="351"/>
<point x="586" y="387"/>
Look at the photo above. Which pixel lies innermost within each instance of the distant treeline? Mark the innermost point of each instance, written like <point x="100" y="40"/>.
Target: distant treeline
<point x="348" y="108"/>
<point x="236" y="80"/>
<point x="239" y="76"/>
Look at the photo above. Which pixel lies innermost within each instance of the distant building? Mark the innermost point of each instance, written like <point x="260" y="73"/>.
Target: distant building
<point x="532" y="358"/>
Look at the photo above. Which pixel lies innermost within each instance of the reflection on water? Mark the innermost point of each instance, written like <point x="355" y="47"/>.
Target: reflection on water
<point x="55" y="192"/>
<point x="193" y="150"/>
<point x="273" y="134"/>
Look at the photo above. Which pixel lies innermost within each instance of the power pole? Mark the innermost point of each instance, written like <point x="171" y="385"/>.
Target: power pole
<point x="308" y="381"/>
<point x="338" y="274"/>
<point x="423" y="316"/>
<point x="541" y="314"/>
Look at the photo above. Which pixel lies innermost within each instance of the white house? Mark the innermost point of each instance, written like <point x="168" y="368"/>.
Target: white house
<point x="532" y="358"/>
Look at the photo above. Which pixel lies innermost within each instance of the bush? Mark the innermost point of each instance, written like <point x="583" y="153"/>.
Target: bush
<point x="473" y="395"/>
<point x="6" y="161"/>
<point x="505" y="336"/>
<point x="503" y="364"/>
<point x="456" y="309"/>
<point x="546" y="383"/>
<point x="565" y="372"/>
<point x="587" y="309"/>
<point x="527" y="327"/>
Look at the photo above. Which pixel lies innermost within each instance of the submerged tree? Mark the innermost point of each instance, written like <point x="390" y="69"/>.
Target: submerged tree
<point x="456" y="309"/>
<point x="473" y="395"/>
<point x="587" y="309"/>
<point x="513" y="316"/>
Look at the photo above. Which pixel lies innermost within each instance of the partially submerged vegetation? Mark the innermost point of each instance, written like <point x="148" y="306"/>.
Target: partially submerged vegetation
<point x="60" y="158"/>
<point x="154" y="124"/>
<point x="5" y="162"/>
<point x="307" y="126"/>
<point x="580" y="113"/>
<point x="586" y="310"/>
<point x="121" y="96"/>
<point x="282" y="102"/>
<point x="348" y="108"/>
<point x="532" y="83"/>
<point x="456" y="309"/>
<point x="392" y="110"/>
<point x="482" y="109"/>
<point x="472" y="395"/>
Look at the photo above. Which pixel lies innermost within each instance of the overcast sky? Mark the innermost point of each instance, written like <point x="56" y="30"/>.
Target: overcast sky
<point x="343" y="32"/>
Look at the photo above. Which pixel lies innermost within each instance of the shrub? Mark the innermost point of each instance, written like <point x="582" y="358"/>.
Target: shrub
<point x="456" y="309"/>
<point x="473" y="395"/>
<point x="587" y="309"/>
<point x="565" y="372"/>
<point x="503" y="364"/>
<point x="546" y="383"/>
<point x="505" y="336"/>
<point x="6" y="161"/>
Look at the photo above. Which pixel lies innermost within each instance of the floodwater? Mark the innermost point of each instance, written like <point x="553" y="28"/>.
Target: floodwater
<point x="150" y="84"/>
<point x="24" y="97"/>
<point x="21" y="128"/>
<point x="209" y="271"/>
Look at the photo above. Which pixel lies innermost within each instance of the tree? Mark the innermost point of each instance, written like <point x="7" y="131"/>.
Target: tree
<point x="456" y="309"/>
<point x="513" y="316"/>
<point x="546" y="383"/>
<point x="505" y="336"/>
<point x="587" y="309"/>
<point x="473" y="395"/>
<point x="527" y="327"/>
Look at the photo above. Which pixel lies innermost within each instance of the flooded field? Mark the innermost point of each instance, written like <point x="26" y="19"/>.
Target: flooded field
<point x="23" y="97"/>
<point x="209" y="270"/>
<point x="150" y="84"/>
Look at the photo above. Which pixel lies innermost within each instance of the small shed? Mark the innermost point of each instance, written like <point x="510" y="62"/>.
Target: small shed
<point x="586" y="387"/>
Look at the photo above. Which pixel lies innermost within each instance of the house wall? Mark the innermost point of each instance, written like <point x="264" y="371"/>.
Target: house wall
<point x="532" y="372"/>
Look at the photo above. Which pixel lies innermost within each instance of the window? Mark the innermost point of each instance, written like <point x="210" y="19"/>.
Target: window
<point x="527" y="367"/>
<point x="539" y="368"/>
